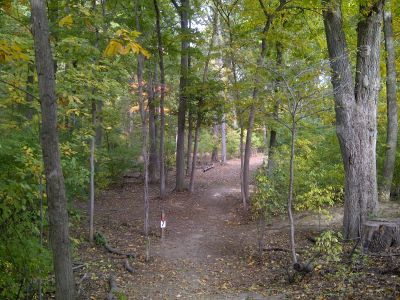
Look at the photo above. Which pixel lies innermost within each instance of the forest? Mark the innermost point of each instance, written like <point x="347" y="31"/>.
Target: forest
<point x="187" y="149"/>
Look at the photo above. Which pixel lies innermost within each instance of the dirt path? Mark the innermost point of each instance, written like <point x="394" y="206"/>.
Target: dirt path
<point x="210" y="247"/>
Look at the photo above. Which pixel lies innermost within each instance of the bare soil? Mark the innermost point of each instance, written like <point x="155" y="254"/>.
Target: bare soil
<point x="210" y="248"/>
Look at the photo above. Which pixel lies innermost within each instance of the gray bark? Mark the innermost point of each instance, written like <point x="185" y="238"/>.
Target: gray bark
<point x="162" y="99"/>
<point x="356" y="108"/>
<point x="55" y="189"/>
<point x="391" y="99"/>
<point x="214" y="154"/>
<point x="223" y="139"/>
<point x="153" y="155"/>
<point x="189" y="142"/>
<point x="290" y="196"/>
<point x="200" y="105"/>
<point x="143" y="117"/>
<point x="260" y="63"/>
<point x="183" y="11"/>
<point x="92" y="172"/>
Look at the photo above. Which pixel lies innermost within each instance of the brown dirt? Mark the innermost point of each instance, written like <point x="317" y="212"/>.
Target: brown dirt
<point x="210" y="247"/>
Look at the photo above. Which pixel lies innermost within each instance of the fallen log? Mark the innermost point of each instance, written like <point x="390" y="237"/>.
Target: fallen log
<point x="207" y="168"/>
<point x="381" y="234"/>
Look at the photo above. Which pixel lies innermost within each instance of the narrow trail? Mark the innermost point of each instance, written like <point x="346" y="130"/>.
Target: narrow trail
<point x="210" y="247"/>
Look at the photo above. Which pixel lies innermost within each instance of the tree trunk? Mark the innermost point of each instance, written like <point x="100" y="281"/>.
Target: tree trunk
<point x="200" y="105"/>
<point x="223" y="139"/>
<point x="55" y="189"/>
<point x="180" y="144"/>
<point x="143" y="117"/>
<point x="290" y="196"/>
<point x="272" y="140"/>
<point x="356" y="109"/>
<point x="153" y="157"/>
<point x="271" y="153"/>
<point x="29" y="88"/>
<point x="260" y="64"/>
<point x="265" y="140"/>
<point x="391" y="98"/>
<point x="162" y="99"/>
<point x="92" y="172"/>
<point x="214" y="154"/>
<point x="189" y="142"/>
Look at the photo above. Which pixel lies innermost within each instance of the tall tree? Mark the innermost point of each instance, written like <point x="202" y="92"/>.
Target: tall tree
<point x="356" y="107"/>
<point x="183" y="11"/>
<point x="145" y="155"/>
<point x="162" y="99"/>
<point x="55" y="189"/>
<point x="260" y="63"/>
<point x="391" y="100"/>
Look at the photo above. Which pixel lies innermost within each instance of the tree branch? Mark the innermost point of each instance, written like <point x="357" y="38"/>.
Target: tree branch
<point x="18" y="88"/>
<point x="175" y="5"/>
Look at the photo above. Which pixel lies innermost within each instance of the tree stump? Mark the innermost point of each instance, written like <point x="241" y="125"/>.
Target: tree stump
<point x="381" y="234"/>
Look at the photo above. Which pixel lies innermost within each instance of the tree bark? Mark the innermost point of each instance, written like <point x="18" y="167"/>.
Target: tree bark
<point x="29" y="88"/>
<point x="55" y="189"/>
<point x="180" y="144"/>
<point x="391" y="99"/>
<point x="200" y="105"/>
<point x="290" y="196"/>
<point x="143" y="117"/>
<point x="92" y="173"/>
<point x="273" y="140"/>
<point x="162" y="100"/>
<point x="260" y="63"/>
<point x="189" y="142"/>
<point x="214" y="154"/>
<point x="223" y="139"/>
<point x="356" y="109"/>
<point x="153" y="157"/>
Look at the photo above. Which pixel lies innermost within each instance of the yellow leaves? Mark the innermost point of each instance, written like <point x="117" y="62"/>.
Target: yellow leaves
<point x="10" y="52"/>
<point x="123" y="43"/>
<point x="66" y="21"/>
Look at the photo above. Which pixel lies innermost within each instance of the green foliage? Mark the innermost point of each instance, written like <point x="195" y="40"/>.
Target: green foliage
<point x="266" y="200"/>
<point x="329" y="244"/>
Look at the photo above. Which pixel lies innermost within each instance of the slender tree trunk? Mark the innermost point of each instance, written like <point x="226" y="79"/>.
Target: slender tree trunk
<point x="290" y="196"/>
<point x="200" y="105"/>
<point x="271" y="153"/>
<point x="265" y="140"/>
<point x="391" y="98"/>
<point x="189" y="142"/>
<point x="223" y="139"/>
<point x="55" y="189"/>
<point x="260" y="64"/>
<point x="195" y="148"/>
<point x="214" y="154"/>
<point x="180" y="144"/>
<point x="92" y="172"/>
<point x="162" y="100"/>
<point x="153" y="157"/>
<point x="241" y="154"/>
<point x="143" y="117"/>
<point x="356" y="109"/>
<point x="273" y="140"/>
<point x="29" y="88"/>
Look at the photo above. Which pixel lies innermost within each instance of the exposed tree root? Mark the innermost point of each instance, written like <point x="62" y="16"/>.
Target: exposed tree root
<point x="116" y="251"/>
<point x="128" y="266"/>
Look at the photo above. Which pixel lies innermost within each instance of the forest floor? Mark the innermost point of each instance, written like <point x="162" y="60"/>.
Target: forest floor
<point x="210" y="248"/>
